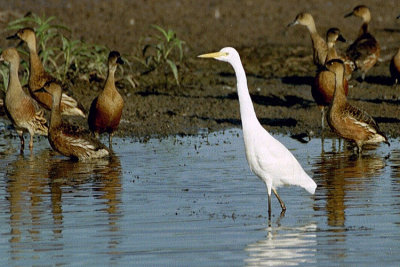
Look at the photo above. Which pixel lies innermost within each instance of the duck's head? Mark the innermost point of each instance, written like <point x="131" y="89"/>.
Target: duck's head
<point x="333" y="35"/>
<point x="360" y="11"/>
<point x="26" y="34"/>
<point x="303" y="18"/>
<point x="115" y="58"/>
<point x="10" y="55"/>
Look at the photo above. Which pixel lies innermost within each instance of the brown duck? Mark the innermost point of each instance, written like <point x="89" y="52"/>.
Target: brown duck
<point x="332" y="36"/>
<point x="320" y="48"/>
<point x="70" y="140"/>
<point x="21" y="109"/>
<point x="348" y="121"/>
<point x="324" y="83"/>
<point x="106" y="109"/>
<point x="38" y="77"/>
<point x="365" y="50"/>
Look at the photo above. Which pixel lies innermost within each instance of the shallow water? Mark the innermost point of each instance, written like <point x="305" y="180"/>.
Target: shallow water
<point x="193" y="201"/>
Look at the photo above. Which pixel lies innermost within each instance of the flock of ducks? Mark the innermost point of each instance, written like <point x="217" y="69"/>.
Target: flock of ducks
<point x="330" y="87"/>
<point x="270" y="160"/>
<point x="26" y="111"/>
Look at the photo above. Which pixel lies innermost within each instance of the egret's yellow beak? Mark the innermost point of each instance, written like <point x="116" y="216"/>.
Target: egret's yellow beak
<point x="213" y="55"/>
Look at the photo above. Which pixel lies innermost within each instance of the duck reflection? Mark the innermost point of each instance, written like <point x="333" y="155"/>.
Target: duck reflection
<point x="37" y="182"/>
<point x="395" y="180"/>
<point x="26" y="180"/>
<point x="395" y="163"/>
<point x="103" y="174"/>
<point x="338" y="173"/>
<point x="109" y="188"/>
<point x="284" y="247"/>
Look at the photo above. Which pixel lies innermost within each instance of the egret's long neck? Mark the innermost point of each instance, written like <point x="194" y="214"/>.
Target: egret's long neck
<point x="247" y="113"/>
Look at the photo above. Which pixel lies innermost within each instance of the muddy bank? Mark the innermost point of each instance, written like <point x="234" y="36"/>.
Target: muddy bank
<point x="278" y="61"/>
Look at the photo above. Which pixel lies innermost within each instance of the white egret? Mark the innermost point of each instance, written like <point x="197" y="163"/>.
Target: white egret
<point x="271" y="161"/>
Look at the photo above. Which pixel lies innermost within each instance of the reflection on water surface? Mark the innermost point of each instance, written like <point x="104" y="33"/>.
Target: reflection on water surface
<point x="171" y="201"/>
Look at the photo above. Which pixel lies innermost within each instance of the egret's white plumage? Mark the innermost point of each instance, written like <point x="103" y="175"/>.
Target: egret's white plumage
<point x="271" y="161"/>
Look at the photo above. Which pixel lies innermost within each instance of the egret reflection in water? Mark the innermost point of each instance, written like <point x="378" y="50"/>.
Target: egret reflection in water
<point x="284" y="247"/>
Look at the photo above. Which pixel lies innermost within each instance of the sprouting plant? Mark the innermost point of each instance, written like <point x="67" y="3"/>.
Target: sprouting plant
<point x="4" y="75"/>
<point x="68" y="47"/>
<point x="96" y="59"/>
<point x="46" y="32"/>
<point x="163" y="55"/>
<point x="63" y="57"/>
<point x="126" y="72"/>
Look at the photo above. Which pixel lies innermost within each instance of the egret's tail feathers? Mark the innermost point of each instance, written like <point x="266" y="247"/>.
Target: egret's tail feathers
<point x="310" y="186"/>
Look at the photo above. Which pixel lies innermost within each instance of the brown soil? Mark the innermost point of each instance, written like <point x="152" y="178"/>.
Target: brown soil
<point x="277" y="59"/>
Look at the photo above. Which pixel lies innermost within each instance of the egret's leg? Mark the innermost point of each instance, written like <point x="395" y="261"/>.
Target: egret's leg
<point x="281" y="216"/>
<point x="269" y="206"/>
<point x="279" y="199"/>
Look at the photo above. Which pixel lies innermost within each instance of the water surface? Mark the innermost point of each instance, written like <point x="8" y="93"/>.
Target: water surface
<point x="193" y="201"/>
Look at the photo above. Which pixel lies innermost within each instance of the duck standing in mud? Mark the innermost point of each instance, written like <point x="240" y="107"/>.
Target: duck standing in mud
<point x="22" y="110"/>
<point x="365" y="50"/>
<point x="323" y="86"/>
<point x="348" y="121"/>
<point x="106" y="109"/>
